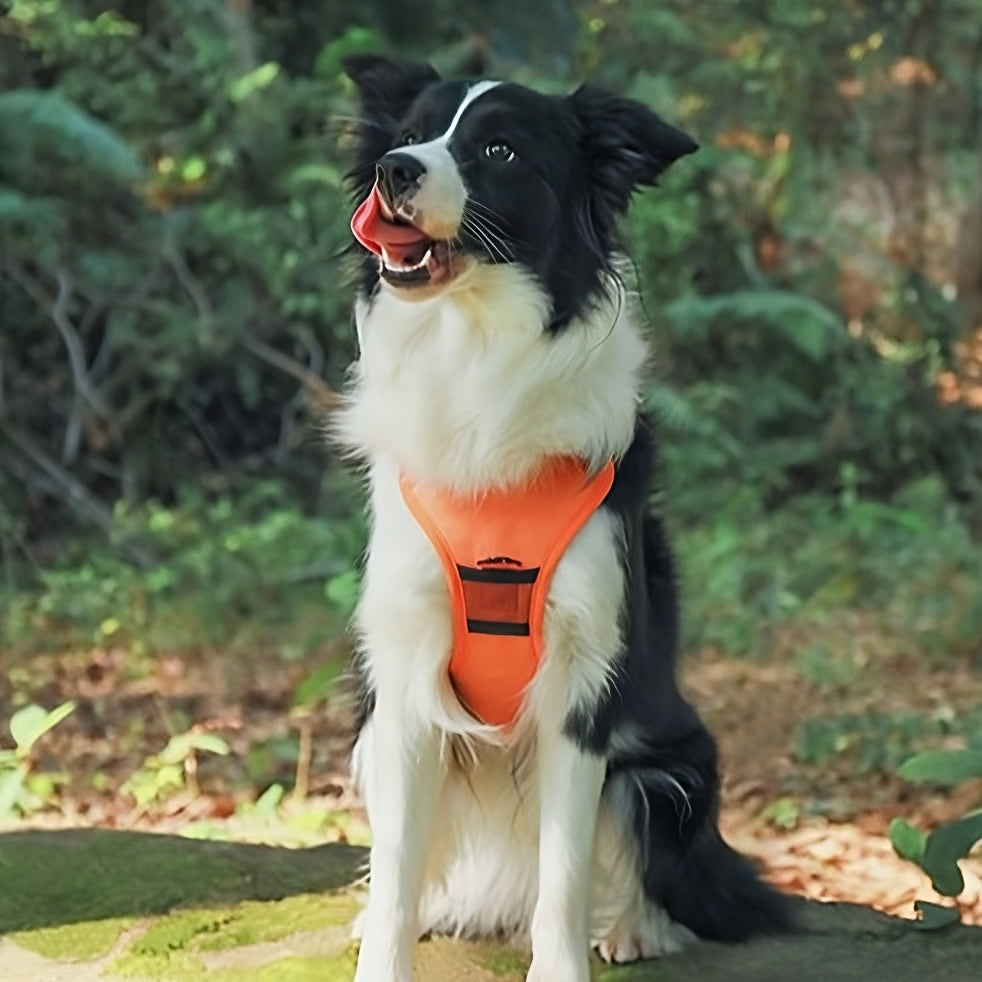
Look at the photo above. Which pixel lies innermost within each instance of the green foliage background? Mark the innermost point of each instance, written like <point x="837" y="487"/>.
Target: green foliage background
<point x="174" y="300"/>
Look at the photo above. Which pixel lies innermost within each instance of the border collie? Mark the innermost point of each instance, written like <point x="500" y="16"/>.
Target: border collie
<point x="497" y="337"/>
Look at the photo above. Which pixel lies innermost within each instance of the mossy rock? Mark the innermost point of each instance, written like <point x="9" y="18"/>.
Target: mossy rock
<point x="98" y="906"/>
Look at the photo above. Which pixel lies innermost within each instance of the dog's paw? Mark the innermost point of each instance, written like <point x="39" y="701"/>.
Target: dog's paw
<point x="649" y="935"/>
<point x="383" y="956"/>
<point x="619" y="948"/>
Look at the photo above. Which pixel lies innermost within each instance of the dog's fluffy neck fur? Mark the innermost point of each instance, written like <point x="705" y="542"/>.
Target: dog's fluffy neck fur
<point x="468" y="390"/>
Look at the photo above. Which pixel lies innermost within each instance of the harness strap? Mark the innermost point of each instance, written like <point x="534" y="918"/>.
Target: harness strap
<point x="498" y="551"/>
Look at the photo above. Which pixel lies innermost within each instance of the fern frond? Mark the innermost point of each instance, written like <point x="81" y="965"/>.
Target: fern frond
<point x="39" y="127"/>
<point x="23" y="209"/>
<point x="805" y="323"/>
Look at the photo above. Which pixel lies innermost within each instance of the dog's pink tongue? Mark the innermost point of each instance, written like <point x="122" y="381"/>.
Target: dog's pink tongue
<point x="375" y="232"/>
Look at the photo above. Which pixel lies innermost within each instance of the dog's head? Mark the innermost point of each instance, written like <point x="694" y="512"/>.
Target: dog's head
<point x="453" y="174"/>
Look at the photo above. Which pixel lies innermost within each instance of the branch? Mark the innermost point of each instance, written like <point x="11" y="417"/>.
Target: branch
<point x="318" y="391"/>
<point x="11" y="463"/>
<point x="191" y="284"/>
<point x="238" y="20"/>
<point x="58" y="312"/>
<point x="201" y="428"/>
<point x="72" y="491"/>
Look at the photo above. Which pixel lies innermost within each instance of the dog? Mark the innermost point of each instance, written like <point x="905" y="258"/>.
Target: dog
<point x="528" y="764"/>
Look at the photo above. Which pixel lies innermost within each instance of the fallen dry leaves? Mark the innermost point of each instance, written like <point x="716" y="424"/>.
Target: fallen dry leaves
<point x="844" y="862"/>
<point x="755" y="707"/>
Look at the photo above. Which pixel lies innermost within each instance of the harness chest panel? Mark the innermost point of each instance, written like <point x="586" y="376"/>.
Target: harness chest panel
<point x="498" y="551"/>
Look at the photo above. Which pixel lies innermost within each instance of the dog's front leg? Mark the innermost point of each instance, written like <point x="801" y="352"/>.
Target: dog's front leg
<point x="570" y="782"/>
<point x="401" y="776"/>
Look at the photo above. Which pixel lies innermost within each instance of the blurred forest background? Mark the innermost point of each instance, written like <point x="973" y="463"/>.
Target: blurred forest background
<point x="179" y="551"/>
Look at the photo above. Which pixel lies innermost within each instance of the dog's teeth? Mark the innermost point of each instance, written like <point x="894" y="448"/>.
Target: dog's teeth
<point x="397" y="267"/>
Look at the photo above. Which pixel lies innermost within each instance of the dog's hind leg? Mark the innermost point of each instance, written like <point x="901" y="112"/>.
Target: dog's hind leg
<point x="399" y="773"/>
<point x="625" y="924"/>
<point x="668" y="794"/>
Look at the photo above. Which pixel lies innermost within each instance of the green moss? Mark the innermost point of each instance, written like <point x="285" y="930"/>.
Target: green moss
<point x="171" y="945"/>
<point x="52" y="878"/>
<point x="507" y="961"/>
<point x="177" y="932"/>
<point x="79" y="942"/>
<point x="244" y="924"/>
<point x="176" y="966"/>
<point x="653" y="970"/>
<point x="49" y="880"/>
<point x="181" y="967"/>
<point x="255" y="923"/>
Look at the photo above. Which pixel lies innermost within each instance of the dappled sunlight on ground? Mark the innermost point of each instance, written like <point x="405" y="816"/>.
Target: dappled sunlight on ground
<point x="808" y="750"/>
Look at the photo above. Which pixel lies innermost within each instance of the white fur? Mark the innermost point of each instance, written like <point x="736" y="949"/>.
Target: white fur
<point x="466" y="389"/>
<point x="476" y="831"/>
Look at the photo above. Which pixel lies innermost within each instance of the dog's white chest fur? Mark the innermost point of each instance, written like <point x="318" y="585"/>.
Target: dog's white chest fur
<point x="469" y="392"/>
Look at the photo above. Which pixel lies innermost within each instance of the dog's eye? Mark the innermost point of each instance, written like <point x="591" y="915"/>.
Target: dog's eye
<point x="409" y="138"/>
<point x="500" y="151"/>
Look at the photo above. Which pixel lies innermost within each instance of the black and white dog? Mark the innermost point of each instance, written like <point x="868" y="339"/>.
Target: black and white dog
<point x="496" y="334"/>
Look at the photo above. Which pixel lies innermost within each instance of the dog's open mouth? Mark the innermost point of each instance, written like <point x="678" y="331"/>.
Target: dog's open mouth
<point x="408" y="256"/>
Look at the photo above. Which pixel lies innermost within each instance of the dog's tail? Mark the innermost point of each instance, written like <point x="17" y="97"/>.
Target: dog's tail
<point x="717" y="894"/>
<point x="669" y="795"/>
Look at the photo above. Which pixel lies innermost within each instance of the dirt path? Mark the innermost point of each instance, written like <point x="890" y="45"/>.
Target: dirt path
<point x="21" y="965"/>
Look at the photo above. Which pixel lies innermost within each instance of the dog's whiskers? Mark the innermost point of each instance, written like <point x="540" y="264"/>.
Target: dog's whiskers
<point x="488" y="211"/>
<point x="489" y="219"/>
<point x="491" y="237"/>
<point x="493" y="248"/>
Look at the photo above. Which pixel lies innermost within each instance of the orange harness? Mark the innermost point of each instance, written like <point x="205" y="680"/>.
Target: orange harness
<point x="498" y="552"/>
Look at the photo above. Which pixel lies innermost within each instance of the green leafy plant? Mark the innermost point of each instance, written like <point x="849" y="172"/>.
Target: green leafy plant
<point x="174" y="769"/>
<point x="228" y="570"/>
<point x="316" y="687"/>
<point x="749" y="570"/>
<point x="22" y="789"/>
<point x="874" y="742"/>
<point x="938" y="852"/>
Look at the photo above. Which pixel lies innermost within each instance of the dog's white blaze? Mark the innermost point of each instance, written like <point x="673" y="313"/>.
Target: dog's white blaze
<point x="474" y="92"/>
<point x="438" y="205"/>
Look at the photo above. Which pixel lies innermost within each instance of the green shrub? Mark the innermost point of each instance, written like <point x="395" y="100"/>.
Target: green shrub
<point x="938" y="852"/>
<point x="225" y="571"/>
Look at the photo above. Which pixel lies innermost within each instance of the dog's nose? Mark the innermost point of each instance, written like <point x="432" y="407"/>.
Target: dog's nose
<point x="398" y="173"/>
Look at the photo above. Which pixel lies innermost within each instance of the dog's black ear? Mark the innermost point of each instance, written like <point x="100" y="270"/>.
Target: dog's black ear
<point x="624" y="143"/>
<point x="388" y="86"/>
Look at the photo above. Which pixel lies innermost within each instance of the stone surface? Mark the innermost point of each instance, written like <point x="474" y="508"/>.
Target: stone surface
<point x="87" y="905"/>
